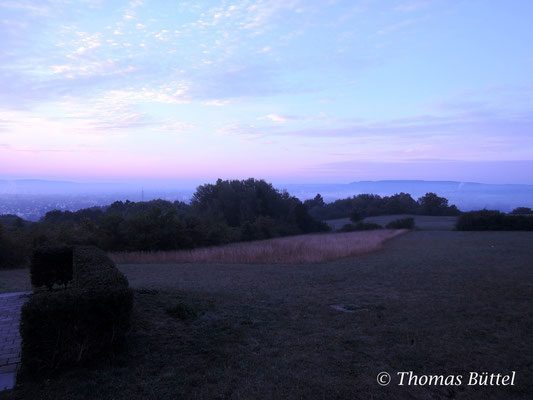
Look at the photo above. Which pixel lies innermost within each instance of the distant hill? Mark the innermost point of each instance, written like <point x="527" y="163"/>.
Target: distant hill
<point x="465" y="195"/>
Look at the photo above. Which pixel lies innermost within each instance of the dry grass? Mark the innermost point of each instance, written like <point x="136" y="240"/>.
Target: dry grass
<point x="293" y="250"/>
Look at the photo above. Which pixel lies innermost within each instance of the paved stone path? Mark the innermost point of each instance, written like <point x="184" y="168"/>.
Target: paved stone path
<point x="10" y="304"/>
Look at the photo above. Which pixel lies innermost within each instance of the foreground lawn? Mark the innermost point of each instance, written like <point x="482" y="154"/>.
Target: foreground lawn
<point x="430" y="302"/>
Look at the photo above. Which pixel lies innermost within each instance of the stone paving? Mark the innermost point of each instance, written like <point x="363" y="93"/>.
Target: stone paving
<point x="10" y="304"/>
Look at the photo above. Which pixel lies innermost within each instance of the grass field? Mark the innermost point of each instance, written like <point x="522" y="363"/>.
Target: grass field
<point x="422" y="222"/>
<point x="292" y="249"/>
<point x="432" y="302"/>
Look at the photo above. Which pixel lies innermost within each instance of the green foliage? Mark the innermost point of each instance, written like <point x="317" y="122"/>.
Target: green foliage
<point x="14" y="247"/>
<point x="225" y="212"/>
<point x="492" y="220"/>
<point x="522" y="210"/>
<point x="79" y="325"/>
<point x="347" y="228"/>
<point x="367" y="226"/>
<point x="356" y="215"/>
<point x="401" y="203"/>
<point x="255" y="208"/>
<point x="51" y="265"/>
<point x="367" y="205"/>
<point x="220" y="213"/>
<point x="360" y="226"/>
<point x="13" y="221"/>
<point x="431" y="204"/>
<point x="402" y="223"/>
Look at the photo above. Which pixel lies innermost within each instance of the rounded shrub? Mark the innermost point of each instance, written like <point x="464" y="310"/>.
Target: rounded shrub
<point x="402" y="223"/>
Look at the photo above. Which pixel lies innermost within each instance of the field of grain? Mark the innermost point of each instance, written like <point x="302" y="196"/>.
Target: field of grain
<point x="294" y="249"/>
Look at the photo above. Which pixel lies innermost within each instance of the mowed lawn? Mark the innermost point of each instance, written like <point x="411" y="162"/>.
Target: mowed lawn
<point x="432" y="302"/>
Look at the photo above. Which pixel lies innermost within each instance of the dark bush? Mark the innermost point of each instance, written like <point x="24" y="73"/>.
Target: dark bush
<point x="348" y="228"/>
<point x="402" y="223"/>
<point x="522" y="210"/>
<point x="51" y="265"/>
<point x="360" y="226"/>
<point x="356" y="215"/>
<point x="79" y="325"/>
<point x="492" y="220"/>
<point x="14" y="249"/>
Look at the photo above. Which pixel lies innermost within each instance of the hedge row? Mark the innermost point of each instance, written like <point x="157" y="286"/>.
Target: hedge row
<point x="360" y="226"/>
<point x="79" y="325"/>
<point x="491" y="220"/>
<point x="402" y="223"/>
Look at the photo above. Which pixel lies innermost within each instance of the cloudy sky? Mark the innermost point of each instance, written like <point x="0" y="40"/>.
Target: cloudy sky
<point x="286" y="90"/>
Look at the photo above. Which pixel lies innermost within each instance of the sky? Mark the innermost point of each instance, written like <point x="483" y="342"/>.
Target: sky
<point x="285" y="90"/>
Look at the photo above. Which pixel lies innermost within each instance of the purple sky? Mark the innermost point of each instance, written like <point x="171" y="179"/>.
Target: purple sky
<point x="286" y="90"/>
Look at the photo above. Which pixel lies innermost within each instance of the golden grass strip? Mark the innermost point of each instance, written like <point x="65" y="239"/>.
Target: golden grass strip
<point x="312" y="248"/>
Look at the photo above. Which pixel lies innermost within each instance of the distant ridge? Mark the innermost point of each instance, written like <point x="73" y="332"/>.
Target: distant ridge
<point x="422" y="182"/>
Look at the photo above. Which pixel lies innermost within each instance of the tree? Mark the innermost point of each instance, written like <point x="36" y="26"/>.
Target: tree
<point x="431" y="204"/>
<point x="356" y="215"/>
<point x="401" y="203"/>
<point x="13" y="251"/>
<point x="522" y="210"/>
<point x="316" y="202"/>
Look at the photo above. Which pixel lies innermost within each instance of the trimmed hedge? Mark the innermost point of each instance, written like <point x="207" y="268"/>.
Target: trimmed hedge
<point x="82" y="324"/>
<point x="51" y="265"/>
<point x="492" y="220"/>
<point x="402" y="223"/>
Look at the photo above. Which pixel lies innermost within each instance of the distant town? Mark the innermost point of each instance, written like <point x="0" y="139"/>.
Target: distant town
<point x="32" y="207"/>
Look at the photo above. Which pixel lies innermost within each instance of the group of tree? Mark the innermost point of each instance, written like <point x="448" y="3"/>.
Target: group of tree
<point x="224" y="212"/>
<point x="220" y="213"/>
<point x="366" y="205"/>
<point x="522" y="211"/>
<point x="14" y="245"/>
<point x="493" y="220"/>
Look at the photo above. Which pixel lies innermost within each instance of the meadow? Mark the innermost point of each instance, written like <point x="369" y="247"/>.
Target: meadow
<point x="432" y="302"/>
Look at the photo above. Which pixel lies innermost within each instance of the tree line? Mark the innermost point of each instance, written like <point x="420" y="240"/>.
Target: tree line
<point x="368" y="205"/>
<point x="224" y="212"/>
